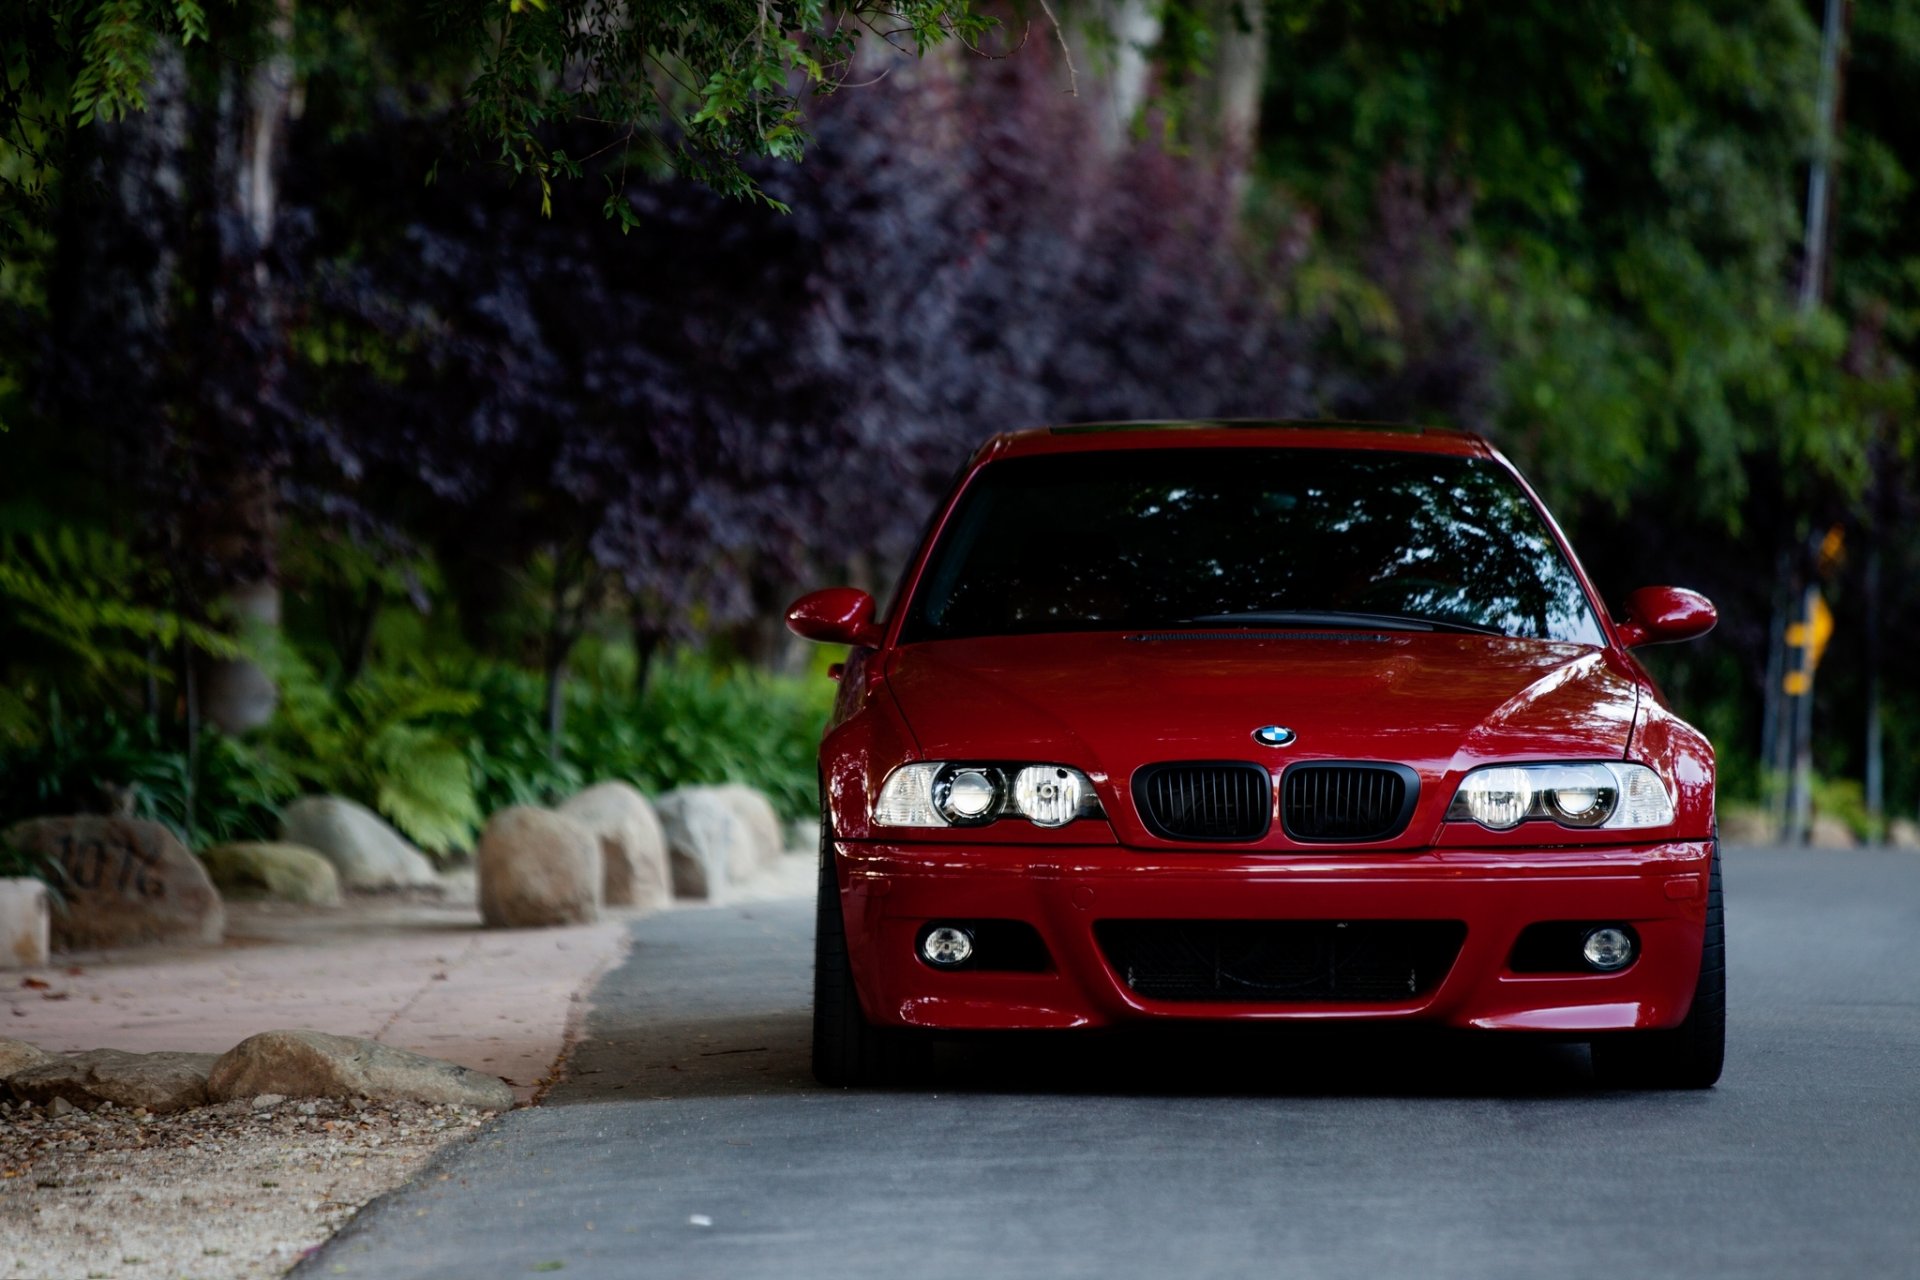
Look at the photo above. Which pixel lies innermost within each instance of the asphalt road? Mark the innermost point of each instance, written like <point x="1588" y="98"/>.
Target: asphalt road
<point x="691" y="1141"/>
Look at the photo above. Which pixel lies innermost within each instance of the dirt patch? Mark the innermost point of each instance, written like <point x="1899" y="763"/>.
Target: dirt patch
<point x="228" y="1191"/>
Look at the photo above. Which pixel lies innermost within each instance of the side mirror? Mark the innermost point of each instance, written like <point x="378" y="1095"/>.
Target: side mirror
<point x="1662" y="615"/>
<point x="838" y="615"/>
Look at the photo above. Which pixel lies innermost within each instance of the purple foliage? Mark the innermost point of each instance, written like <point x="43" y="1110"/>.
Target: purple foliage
<point x="729" y="402"/>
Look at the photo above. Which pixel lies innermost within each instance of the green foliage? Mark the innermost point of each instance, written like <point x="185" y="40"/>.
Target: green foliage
<point x="507" y="737"/>
<point x="393" y="740"/>
<point x="71" y="619"/>
<point x="17" y="863"/>
<point x="696" y="721"/>
<point x="700" y="723"/>
<point x="100" y="763"/>
<point x="1612" y="195"/>
<point x="694" y="84"/>
<point x="1845" y="799"/>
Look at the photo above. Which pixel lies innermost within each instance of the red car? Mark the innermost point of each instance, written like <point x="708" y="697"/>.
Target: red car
<point x="1260" y="722"/>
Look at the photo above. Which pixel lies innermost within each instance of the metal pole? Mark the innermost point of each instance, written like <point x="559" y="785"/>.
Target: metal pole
<point x="1772" y="717"/>
<point x="1813" y="274"/>
<point x="1800" y="816"/>
<point x="1876" y="771"/>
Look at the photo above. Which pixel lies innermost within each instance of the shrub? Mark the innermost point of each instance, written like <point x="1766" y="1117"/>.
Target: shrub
<point x="100" y="763"/>
<point x="701" y="722"/>
<point x="394" y="739"/>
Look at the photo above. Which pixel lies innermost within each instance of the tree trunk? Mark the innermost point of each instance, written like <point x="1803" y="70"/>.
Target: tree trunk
<point x="248" y="341"/>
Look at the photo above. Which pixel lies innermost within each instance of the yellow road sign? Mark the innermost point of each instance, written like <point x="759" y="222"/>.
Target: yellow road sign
<point x="1811" y="636"/>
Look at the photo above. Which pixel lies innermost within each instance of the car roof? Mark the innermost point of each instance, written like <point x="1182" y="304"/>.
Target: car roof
<point x="1235" y="433"/>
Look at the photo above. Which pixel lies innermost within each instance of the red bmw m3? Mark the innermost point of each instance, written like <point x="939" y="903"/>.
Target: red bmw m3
<point x="1191" y="722"/>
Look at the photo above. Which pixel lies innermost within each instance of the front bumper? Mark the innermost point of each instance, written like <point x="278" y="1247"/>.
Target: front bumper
<point x="890" y="891"/>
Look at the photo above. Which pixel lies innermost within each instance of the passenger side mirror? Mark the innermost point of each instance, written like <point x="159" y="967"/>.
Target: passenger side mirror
<point x="838" y="615"/>
<point x="1662" y="615"/>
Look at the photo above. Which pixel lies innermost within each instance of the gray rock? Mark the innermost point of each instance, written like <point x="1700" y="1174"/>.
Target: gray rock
<point x="757" y="813"/>
<point x="709" y="847"/>
<point x="124" y="883"/>
<point x="26" y="923"/>
<point x="1742" y="825"/>
<point x="1829" y="832"/>
<point x="367" y="853"/>
<point x="160" y="1082"/>
<point x="273" y="873"/>
<point x="59" y="1107"/>
<point x="1903" y="833"/>
<point x="633" y="848"/>
<point x="537" y="868"/>
<point x="313" y="1064"/>
<point x="18" y="1055"/>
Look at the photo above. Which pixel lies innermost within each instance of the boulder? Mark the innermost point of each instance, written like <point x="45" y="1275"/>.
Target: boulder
<point x="709" y="846"/>
<point x="762" y="821"/>
<point x="18" y="1055"/>
<point x="1740" y="824"/>
<point x="1829" y="832"/>
<point x="313" y="1064"/>
<point x="538" y="867"/>
<point x="1903" y="833"/>
<point x="160" y="1082"/>
<point x="633" y="848"/>
<point x="273" y="873"/>
<point x="365" y="851"/>
<point x="123" y="883"/>
<point x="26" y="923"/>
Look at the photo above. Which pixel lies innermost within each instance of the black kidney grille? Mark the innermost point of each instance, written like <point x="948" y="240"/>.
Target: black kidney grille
<point x="1229" y="800"/>
<point x="1333" y="802"/>
<point x="1281" y="961"/>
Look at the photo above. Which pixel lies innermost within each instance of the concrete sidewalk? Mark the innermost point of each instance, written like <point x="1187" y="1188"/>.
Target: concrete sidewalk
<point x="419" y="974"/>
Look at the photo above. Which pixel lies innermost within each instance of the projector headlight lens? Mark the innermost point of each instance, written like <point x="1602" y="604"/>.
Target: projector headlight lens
<point x="967" y="797"/>
<point x="1615" y="796"/>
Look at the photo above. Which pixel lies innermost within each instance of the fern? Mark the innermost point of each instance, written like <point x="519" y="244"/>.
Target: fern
<point x="69" y="616"/>
<point x="392" y="740"/>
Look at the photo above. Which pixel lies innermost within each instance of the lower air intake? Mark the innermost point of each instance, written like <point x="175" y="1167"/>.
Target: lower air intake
<point x="1281" y="961"/>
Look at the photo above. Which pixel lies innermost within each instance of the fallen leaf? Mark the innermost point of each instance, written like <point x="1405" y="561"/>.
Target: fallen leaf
<point x="34" y="984"/>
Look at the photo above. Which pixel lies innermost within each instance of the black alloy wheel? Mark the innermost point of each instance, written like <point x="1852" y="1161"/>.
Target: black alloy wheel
<point x="1690" y="1055"/>
<point x="848" y="1049"/>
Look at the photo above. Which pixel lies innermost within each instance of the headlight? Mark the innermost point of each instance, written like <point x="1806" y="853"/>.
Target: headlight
<point x="946" y="794"/>
<point x="1614" y="796"/>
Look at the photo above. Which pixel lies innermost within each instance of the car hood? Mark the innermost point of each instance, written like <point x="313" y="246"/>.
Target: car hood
<point x="1111" y="702"/>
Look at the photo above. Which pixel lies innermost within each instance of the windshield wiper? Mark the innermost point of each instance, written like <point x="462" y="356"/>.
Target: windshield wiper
<point x="1340" y="618"/>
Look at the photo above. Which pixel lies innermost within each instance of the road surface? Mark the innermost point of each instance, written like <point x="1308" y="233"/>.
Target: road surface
<point x="691" y="1141"/>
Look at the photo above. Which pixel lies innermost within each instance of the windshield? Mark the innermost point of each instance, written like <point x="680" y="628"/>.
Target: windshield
<point x="1258" y="537"/>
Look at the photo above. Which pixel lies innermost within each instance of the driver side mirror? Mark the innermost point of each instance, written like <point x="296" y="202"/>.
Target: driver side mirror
<point x="838" y="615"/>
<point x="1662" y="615"/>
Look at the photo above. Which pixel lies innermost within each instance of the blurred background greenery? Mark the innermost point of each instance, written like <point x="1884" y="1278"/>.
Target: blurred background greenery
<point x="436" y="403"/>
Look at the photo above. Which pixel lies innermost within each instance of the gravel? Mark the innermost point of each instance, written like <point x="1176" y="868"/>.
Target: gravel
<point x="242" y="1189"/>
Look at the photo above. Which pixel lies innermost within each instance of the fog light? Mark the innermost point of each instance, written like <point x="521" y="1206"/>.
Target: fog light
<point x="1608" y="948"/>
<point x="947" y="946"/>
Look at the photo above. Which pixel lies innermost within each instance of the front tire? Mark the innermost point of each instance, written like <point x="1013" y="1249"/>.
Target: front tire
<point x="847" y="1049"/>
<point x="1690" y="1055"/>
